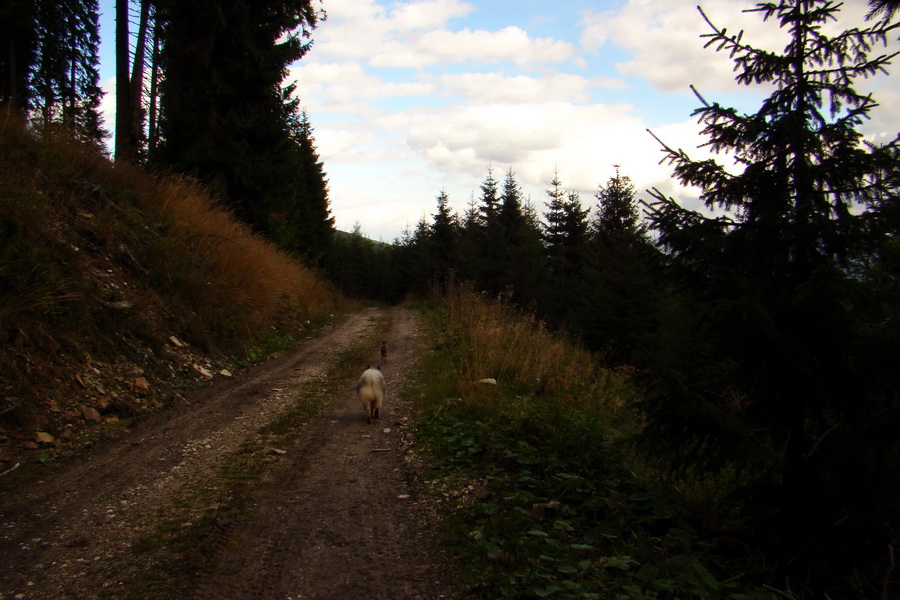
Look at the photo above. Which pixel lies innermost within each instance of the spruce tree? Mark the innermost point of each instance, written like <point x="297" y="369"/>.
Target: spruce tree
<point x="487" y="237"/>
<point x="784" y="370"/>
<point x="523" y="271"/>
<point x="49" y="64"/>
<point x="306" y="226"/>
<point x="131" y="117"/>
<point x="18" y="52"/>
<point x="225" y="115"/>
<point x="443" y="239"/>
<point x="620" y="275"/>
<point x="617" y="211"/>
<point x="565" y="239"/>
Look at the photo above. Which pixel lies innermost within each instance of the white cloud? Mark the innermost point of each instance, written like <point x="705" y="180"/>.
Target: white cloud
<point x="416" y="35"/>
<point x="365" y="28"/>
<point x="583" y="141"/>
<point x="663" y="39"/>
<point x="427" y="15"/>
<point x="407" y="100"/>
<point x="452" y="47"/>
<point x="518" y="89"/>
<point x="345" y="87"/>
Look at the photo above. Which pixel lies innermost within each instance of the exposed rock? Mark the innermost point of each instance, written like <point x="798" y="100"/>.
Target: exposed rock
<point x="42" y="437"/>
<point x="203" y="371"/>
<point x="91" y="414"/>
<point x="176" y="342"/>
<point x="225" y="373"/>
<point x="119" y="304"/>
<point x="487" y="381"/>
<point x="140" y="386"/>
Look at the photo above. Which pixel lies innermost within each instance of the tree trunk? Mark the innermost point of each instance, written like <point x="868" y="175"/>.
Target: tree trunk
<point x="125" y="143"/>
<point x="137" y="78"/>
<point x="152" y="126"/>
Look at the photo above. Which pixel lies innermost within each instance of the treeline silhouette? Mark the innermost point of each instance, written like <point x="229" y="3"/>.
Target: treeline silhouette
<point x="590" y="272"/>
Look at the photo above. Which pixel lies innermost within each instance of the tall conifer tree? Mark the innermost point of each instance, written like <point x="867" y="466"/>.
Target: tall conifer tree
<point x="49" y="63"/>
<point x="489" y="245"/>
<point x="522" y="252"/>
<point x="565" y="238"/>
<point x="18" y="51"/>
<point x="787" y="375"/>
<point x="225" y="115"/>
<point x="620" y="291"/>
<point x="443" y="239"/>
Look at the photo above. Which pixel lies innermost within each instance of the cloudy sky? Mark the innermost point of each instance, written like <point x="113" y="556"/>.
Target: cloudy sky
<point x="410" y="98"/>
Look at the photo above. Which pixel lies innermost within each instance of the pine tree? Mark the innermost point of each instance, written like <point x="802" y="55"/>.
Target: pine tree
<point x="621" y="289"/>
<point x="523" y="265"/>
<point x="130" y="139"/>
<point x="49" y="63"/>
<point x="565" y="239"/>
<point x="18" y="52"/>
<point x="306" y="226"/>
<point x="555" y="218"/>
<point x="885" y="9"/>
<point x="617" y="212"/>
<point x="470" y="241"/>
<point x="443" y="239"/>
<point x="225" y="115"/>
<point x="488" y="244"/>
<point x="782" y="371"/>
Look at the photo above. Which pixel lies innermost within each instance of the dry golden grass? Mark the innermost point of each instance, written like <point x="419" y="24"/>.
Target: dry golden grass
<point x="524" y="357"/>
<point x="60" y="195"/>
<point x="248" y="274"/>
<point x="101" y="263"/>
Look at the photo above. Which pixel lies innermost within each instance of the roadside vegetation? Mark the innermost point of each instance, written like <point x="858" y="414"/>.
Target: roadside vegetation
<point x="108" y="274"/>
<point x="548" y="497"/>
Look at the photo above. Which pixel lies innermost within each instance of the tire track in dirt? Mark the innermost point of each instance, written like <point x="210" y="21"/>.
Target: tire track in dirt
<point x="340" y="520"/>
<point x="71" y="535"/>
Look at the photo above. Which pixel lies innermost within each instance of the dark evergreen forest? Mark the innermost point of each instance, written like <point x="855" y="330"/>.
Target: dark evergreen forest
<point x="765" y="338"/>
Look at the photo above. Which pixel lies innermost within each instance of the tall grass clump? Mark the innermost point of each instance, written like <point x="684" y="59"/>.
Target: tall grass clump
<point x="493" y="340"/>
<point x="64" y="199"/>
<point x="253" y="282"/>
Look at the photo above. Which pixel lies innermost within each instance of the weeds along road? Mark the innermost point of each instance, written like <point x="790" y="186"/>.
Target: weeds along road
<point x="269" y="486"/>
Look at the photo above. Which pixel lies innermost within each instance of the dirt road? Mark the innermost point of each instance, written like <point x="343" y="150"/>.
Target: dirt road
<point x="332" y="515"/>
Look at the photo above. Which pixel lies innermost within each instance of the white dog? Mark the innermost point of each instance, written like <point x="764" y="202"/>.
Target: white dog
<point x="371" y="390"/>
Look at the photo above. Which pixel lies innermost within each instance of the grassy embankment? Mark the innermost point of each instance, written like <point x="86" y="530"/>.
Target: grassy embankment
<point x="116" y="284"/>
<point x="546" y="496"/>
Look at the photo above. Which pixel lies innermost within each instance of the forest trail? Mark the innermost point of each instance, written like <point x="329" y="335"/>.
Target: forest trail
<point x="333" y="515"/>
